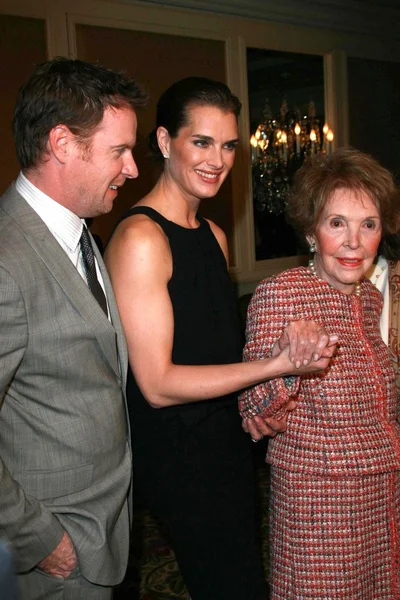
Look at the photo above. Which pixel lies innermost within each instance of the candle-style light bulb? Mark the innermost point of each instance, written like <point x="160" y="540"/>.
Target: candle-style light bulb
<point x="297" y="131"/>
<point x="263" y="144"/>
<point x="254" y="148"/>
<point x="313" y="138"/>
<point x="329" y="137"/>
<point x="284" y="145"/>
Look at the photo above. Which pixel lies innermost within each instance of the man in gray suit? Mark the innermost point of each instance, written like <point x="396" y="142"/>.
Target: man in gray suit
<point x="65" y="459"/>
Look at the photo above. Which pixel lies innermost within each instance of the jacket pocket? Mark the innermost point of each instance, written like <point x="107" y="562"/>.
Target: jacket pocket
<point x="55" y="483"/>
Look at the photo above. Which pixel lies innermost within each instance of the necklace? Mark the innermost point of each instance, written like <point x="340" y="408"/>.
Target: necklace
<point x="311" y="266"/>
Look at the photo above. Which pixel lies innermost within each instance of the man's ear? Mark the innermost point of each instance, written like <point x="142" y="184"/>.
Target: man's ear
<point x="163" y="140"/>
<point x="59" y="142"/>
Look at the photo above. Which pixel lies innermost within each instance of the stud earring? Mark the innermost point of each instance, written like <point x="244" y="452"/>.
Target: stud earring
<point x="313" y="247"/>
<point x="165" y="155"/>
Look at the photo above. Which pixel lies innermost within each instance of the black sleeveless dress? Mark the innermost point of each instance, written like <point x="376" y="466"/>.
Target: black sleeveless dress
<point x="192" y="462"/>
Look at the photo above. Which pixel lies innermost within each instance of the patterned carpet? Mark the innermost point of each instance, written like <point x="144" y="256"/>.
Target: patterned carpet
<point x="152" y="572"/>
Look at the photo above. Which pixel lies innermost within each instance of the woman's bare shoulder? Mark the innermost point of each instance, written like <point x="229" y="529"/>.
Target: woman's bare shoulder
<point x="137" y="229"/>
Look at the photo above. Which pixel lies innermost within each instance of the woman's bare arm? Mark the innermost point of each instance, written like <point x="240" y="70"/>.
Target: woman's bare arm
<point x="140" y="265"/>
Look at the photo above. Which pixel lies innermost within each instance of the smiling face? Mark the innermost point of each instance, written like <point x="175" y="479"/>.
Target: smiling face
<point x="347" y="238"/>
<point x="96" y="173"/>
<point x="202" y="154"/>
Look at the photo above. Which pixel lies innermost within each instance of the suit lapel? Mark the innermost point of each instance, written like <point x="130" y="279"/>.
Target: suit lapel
<point x="54" y="257"/>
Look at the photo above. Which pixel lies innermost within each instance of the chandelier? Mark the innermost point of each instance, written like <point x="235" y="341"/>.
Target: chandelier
<point x="279" y="146"/>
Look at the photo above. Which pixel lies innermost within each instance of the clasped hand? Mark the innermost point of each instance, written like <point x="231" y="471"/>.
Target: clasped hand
<point x="306" y="347"/>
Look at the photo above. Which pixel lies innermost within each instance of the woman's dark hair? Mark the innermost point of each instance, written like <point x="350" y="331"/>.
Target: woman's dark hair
<point x="71" y="92"/>
<point x="174" y="105"/>
<point x="345" y="168"/>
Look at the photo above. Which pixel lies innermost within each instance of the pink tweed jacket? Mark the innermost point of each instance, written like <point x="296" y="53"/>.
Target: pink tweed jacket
<point x="345" y="420"/>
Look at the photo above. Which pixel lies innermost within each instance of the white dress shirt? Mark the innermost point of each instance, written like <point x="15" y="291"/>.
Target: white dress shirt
<point x="65" y="225"/>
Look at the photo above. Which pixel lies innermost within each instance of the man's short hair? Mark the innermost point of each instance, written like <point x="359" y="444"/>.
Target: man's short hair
<point x="71" y="92"/>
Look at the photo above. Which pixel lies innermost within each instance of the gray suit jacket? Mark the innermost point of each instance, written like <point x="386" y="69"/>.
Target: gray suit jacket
<point x="65" y="459"/>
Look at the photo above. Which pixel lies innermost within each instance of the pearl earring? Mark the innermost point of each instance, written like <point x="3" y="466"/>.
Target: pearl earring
<point x="165" y="155"/>
<point x="313" y="247"/>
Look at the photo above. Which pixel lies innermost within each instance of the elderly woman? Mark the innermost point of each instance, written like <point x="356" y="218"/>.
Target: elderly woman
<point x="335" y="501"/>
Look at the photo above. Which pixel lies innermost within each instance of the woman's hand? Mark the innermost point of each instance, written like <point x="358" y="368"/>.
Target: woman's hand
<point x="307" y="342"/>
<point x="304" y="347"/>
<point x="259" y="427"/>
<point x="286" y="366"/>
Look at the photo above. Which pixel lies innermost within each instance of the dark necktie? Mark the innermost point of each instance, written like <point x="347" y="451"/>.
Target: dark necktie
<point x="90" y="270"/>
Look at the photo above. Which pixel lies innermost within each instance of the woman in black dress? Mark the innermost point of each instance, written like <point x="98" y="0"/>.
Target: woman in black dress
<point x="168" y="266"/>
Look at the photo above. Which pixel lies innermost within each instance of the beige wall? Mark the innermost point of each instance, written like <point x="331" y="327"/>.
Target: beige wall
<point x="168" y="59"/>
<point x="159" y="44"/>
<point x="22" y="44"/>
